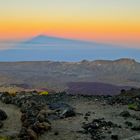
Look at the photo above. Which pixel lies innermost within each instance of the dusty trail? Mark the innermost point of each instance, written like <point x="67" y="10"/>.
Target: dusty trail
<point x="68" y="128"/>
<point x="12" y="124"/>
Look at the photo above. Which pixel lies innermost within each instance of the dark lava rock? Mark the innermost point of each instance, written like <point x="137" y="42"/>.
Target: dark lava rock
<point x="130" y="124"/>
<point x="97" y="127"/>
<point x="126" y="97"/>
<point x="34" y="118"/>
<point x="125" y="114"/>
<point x="55" y="106"/>
<point x="40" y="128"/>
<point x="88" y="114"/>
<point x="6" y="98"/>
<point x="63" y="110"/>
<point x="136" y="117"/>
<point x="1" y="124"/>
<point x="136" y="128"/>
<point x="41" y="117"/>
<point x="27" y="134"/>
<point x="56" y="133"/>
<point x="86" y="118"/>
<point x="67" y="112"/>
<point x="114" y="137"/>
<point x="23" y="134"/>
<point x="32" y="134"/>
<point x="3" y="115"/>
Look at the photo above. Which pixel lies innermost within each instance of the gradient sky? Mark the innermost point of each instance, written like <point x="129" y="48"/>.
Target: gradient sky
<point x="109" y="21"/>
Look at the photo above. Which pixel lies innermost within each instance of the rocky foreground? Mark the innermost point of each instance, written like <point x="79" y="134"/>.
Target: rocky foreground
<point x="30" y="116"/>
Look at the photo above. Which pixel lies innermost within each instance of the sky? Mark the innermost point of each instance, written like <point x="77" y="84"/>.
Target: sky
<point x="111" y="21"/>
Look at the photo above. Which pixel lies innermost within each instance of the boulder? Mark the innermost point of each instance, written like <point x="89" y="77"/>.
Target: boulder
<point x="63" y="110"/>
<point x="114" y="137"/>
<point x="40" y="128"/>
<point x="6" y="98"/>
<point x="136" y="128"/>
<point x="125" y="114"/>
<point x="3" y="115"/>
<point x="32" y="134"/>
<point x="41" y="117"/>
<point x="1" y="124"/>
<point x="97" y="127"/>
<point x="129" y="124"/>
<point x="23" y="134"/>
<point x="55" y="106"/>
<point x="67" y="112"/>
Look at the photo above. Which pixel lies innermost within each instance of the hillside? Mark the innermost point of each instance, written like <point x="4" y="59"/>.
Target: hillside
<point x="57" y="75"/>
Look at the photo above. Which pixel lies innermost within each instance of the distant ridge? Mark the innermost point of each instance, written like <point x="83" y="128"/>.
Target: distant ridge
<point x="118" y="61"/>
<point x="121" y="60"/>
<point x="57" y="75"/>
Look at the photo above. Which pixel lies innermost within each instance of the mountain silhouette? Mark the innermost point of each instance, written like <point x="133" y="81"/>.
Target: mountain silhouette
<point x="42" y="39"/>
<point x="40" y="48"/>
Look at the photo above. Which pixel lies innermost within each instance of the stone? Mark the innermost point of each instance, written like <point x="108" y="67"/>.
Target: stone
<point x="97" y="127"/>
<point x="125" y="114"/>
<point x="32" y="134"/>
<point x="23" y="134"/>
<point x="40" y="128"/>
<point x="129" y="123"/>
<point x="41" y="117"/>
<point x="136" y="128"/>
<point x="67" y="112"/>
<point x="1" y="124"/>
<point x="63" y="110"/>
<point x="3" y="115"/>
<point x="23" y="117"/>
<point x="114" y="137"/>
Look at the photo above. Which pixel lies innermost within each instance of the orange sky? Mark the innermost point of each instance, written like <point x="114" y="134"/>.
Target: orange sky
<point x="96" y="20"/>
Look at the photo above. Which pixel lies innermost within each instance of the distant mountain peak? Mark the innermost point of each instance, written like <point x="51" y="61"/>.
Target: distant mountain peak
<point x="44" y="36"/>
<point x="39" y="36"/>
<point x="44" y="39"/>
<point x="126" y="60"/>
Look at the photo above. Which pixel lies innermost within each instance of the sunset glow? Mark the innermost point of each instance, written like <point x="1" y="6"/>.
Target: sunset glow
<point x="96" y="20"/>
